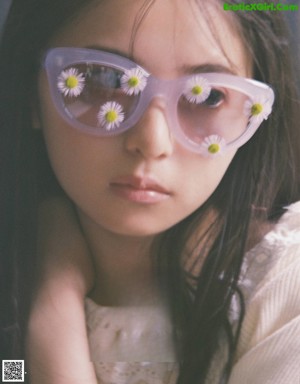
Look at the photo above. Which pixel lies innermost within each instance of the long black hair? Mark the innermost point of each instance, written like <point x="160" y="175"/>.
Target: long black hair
<point x="262" y="178"/>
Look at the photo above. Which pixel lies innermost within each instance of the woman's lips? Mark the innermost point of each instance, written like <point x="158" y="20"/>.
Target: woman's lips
<point x="145" y="190"/>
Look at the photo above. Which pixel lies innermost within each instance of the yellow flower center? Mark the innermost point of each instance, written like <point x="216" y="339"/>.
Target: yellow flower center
<point x="133" y="81"/>
<point x="256" y="109"/>
<point x="214" y="148"/>
<point x="197" y="90"/>
<point x="71" y="82"/>
<point x="111" y="116"/>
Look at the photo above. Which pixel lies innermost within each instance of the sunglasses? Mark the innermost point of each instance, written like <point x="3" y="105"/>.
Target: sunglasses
<point x="105" y="94"/>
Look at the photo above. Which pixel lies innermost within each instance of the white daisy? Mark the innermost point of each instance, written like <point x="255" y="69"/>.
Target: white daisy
<point x="110" y="115"/>
<point x="197" y="89"/>
<point x="257" y="109"/>
<point x="134" y="81"/>
<point x="71" y="82"/>
<point x="213" y="145"/>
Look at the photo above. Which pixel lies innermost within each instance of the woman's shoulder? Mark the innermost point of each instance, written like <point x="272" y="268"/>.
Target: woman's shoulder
<point x="274" y="255"/>
<point x="269" y="342"/>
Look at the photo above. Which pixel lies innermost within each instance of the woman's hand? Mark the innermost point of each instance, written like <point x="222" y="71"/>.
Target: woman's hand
<point x="57" y="344"/>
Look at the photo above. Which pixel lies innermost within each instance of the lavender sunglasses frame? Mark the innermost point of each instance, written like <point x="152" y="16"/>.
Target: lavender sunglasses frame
<point x="57" y="59"/>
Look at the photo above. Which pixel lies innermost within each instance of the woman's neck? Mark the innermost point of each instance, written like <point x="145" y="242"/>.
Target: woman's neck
<point x="123" y="266"/>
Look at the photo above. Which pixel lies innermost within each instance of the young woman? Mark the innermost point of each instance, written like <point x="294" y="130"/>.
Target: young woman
<point x="142" y="167"/>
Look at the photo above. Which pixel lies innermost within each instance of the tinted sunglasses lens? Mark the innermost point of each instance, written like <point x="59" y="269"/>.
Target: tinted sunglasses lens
<point x="220" y="111"/>
<point x="96" y="95"/>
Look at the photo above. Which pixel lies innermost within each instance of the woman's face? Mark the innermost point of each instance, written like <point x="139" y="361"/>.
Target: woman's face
<point x="143" y="181"/>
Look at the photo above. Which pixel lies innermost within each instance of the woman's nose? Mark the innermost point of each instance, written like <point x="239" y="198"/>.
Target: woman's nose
<point x="150" y="137"/>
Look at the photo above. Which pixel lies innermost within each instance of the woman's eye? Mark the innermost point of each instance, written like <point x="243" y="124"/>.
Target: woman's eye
<point x="215" y="98"/>
<point x="103" y="77"/>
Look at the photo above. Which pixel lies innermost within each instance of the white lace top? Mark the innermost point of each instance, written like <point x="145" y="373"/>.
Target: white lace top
<point x="133" y="345"/>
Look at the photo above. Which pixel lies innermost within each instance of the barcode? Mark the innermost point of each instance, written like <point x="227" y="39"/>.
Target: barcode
<point x="13" y="371"/>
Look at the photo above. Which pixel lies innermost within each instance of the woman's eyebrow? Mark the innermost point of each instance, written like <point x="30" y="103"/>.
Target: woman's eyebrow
<point x="206" y="68"/>
<point x="187" y="69"/>
<point x="110" y="50"/>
